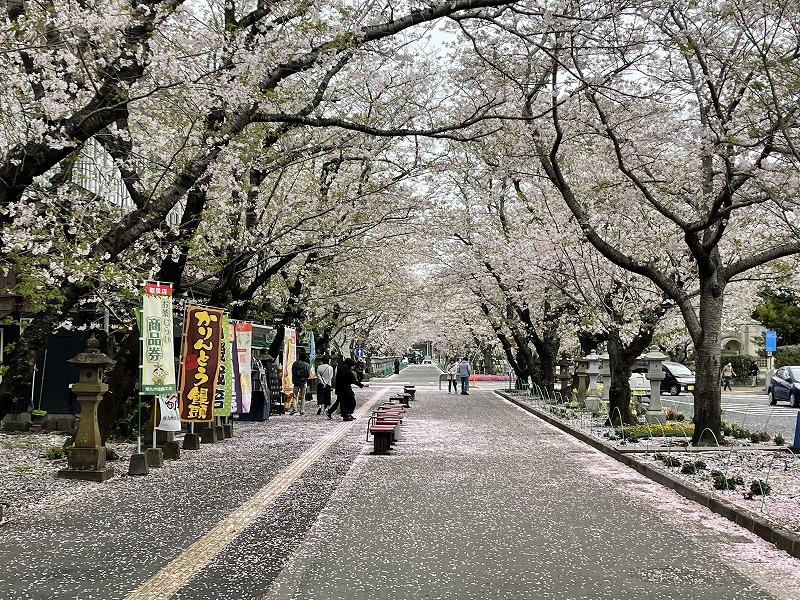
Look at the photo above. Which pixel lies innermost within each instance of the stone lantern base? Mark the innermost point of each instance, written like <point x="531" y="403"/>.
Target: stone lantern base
<point x="87" y="464"/>
<point x="655" y="416"/>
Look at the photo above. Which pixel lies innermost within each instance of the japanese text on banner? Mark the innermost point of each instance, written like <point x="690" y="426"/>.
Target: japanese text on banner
<point x="201" y="355"/>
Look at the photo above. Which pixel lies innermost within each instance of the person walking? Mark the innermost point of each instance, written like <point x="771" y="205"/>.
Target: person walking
<point x="300" y="373"/>
<point x="397" y="366"/>
<point x="464" y="371"/>
<point x="345" y="398"/>
<point x="752" y="370"/>
<point x="452" y="377"/>
<point x="324" y="384"/>
<point x="727" y="374"/>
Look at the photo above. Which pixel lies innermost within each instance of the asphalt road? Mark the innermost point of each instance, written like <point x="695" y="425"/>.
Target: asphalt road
<point x="750" y="409"/>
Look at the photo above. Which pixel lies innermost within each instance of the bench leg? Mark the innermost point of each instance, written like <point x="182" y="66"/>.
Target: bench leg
<point x="382" y="441"/>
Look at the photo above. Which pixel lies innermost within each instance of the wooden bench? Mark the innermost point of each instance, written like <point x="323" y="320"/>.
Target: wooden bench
<point x="383" y="435"/>
<point x="442" y="377"/>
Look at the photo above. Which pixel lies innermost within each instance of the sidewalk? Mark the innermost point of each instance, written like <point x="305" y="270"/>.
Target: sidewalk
<point x="479" y="500"/>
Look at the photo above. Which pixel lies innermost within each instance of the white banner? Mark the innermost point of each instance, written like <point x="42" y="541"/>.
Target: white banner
<point x="158" y="355"/>
<point x="170" y="415"/>
<point x="244" y="350"/>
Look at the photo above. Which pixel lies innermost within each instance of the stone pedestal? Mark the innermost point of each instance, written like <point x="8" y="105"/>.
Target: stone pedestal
<point x="138" y="465"/>
<point x="191" y="441"/>
<point x="208" y="435"/>
<point x="154" y="457"/>
<point x="162" y="437"/>
<point x="88" y="464"/>
<point x="172" y="450"/>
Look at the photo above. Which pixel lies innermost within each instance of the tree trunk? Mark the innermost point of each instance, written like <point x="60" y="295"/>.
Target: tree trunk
<point x="707" y="393"/>
<point x="621" y="357"/>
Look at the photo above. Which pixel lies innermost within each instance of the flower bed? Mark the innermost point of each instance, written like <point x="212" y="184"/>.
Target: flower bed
<point x="758" y="476"/>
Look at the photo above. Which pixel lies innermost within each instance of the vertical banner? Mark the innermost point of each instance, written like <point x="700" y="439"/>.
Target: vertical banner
<point x="289" y="356"/>
<point x="236" y="388"/>
<point x="201" y="351"/>
<point x="170" y="417"/>
<point x="244" y="351"/>
<point x="158" y="354"/>
<point x="312" y="355"/>
<point x="222" y="395"/>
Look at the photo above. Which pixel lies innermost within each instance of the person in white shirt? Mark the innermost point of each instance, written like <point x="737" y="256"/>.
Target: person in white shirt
<point x="324" y="384"/>
<point x="452" y="377"/>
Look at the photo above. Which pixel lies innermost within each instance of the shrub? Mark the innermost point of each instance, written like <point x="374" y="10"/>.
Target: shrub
<point x="111" y="453"/>
<point x="671" y="461"/>
<point x="759" y="488"/>
<point x="721" y="482"/>
<point x="759" y="436"/>
<point x="692" y="467"/>
<point x="54" y="453"/>
<point x="778" y="439"/>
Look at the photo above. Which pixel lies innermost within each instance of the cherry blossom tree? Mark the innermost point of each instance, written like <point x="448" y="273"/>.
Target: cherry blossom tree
<point x="670" y="133"/>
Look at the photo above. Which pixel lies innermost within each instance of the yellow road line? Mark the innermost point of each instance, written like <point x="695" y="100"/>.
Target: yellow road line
<point x="170" y="579"/>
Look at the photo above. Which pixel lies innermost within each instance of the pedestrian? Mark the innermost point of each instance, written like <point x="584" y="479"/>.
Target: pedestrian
<point x="397" y="366"/>
<point x="753" y="372"/>
<point x="727" y="374"/>
<point x="359" y="368"/>
<point x="300" y="373"/>
<point x="452" y="377"/>
<point x="324" y="384"/>
<point x="464" y="371"/>
<point x="345" y="398"/>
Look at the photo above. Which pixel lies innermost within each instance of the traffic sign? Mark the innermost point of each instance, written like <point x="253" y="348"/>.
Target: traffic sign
<point x="771" y="337"/>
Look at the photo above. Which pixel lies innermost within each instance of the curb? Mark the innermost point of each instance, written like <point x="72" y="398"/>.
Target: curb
<point x="781" y="538"/>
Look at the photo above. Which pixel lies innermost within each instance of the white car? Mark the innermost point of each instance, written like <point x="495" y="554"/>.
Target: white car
<point x="427" y="360"/>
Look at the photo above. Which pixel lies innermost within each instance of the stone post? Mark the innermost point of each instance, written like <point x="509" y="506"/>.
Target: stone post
<point x="605" y="373"/>
<point x="87" y="459"/>
<point x="580" y="371"/>
<point x="592" y="401"/>
<point x="564" y="377"/>
<point x="655" y="374"/>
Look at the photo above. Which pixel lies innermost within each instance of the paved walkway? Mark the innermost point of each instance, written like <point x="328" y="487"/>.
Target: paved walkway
<point x="479" y="500"/>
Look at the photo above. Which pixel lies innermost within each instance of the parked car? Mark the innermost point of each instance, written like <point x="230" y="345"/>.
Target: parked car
<point x="785" y="386"/>
<point x="678" y="378"/>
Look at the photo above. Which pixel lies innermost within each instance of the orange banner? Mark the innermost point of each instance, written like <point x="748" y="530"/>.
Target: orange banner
<point x="201" y="356"/>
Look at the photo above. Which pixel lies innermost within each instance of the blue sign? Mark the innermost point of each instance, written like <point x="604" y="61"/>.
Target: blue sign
<point x="772" y="340"/>
<point x="359" y="352"/>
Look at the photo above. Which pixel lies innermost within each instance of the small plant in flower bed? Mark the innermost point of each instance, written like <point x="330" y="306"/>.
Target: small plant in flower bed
<point x="759" y="488"/>
<point x="667" y="459"/>
<point x="722" y="482"/>
<point x="655" y="430"/>
<point x="778" y="439"/>
<point x="690" y="467"/>
<point x="111" y="453"/>
<point x="54" y="453"/>
<point x="759" y="436"/>
<point x="735" y="430"/>
<point x="673" y="415"/>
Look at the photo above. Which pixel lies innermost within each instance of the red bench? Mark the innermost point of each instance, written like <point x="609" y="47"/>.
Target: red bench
<point x="383" y="435"/>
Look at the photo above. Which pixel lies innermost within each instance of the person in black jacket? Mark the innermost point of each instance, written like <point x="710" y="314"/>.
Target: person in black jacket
<point x="345" y="398"/>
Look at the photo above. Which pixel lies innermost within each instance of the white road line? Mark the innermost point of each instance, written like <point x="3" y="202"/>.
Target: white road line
<point x="170" y="579"/>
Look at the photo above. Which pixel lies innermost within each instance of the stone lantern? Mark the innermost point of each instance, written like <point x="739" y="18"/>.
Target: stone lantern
<point x="564" y="377"/>
<point x="87" y="459"/>
<point x="592" y="401"/>
<point x="655" y="374"/>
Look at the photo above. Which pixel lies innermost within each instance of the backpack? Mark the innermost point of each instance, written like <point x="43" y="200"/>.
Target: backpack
<point x="300" y="372"/>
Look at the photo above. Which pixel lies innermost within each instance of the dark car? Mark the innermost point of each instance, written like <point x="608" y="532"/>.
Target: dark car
<point x="785" y="386"/>
<point x="677" y="377"/>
